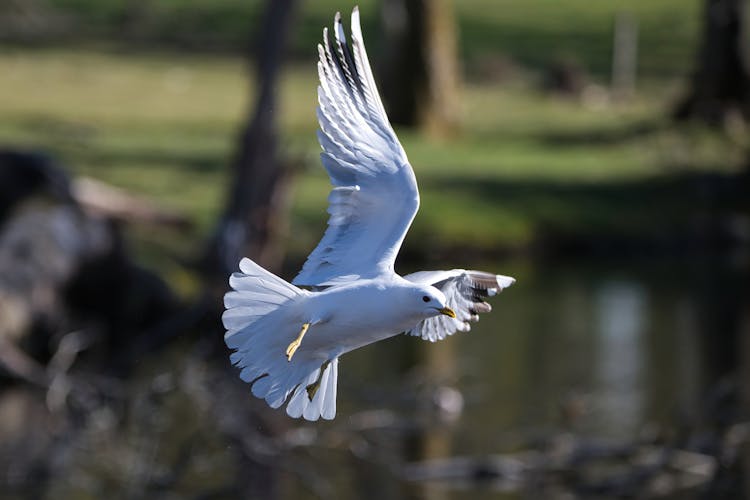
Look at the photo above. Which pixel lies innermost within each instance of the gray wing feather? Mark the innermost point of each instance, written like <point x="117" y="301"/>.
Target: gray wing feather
<point x="465" y="292"/>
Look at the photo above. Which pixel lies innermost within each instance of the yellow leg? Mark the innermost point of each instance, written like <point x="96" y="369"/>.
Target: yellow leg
<point x="296" y="342"/>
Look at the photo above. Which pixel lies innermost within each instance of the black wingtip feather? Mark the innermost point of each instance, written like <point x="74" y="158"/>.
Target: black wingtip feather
<point x="343" y="58"/>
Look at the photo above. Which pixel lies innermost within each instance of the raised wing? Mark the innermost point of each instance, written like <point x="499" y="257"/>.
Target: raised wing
<point x="465" y="292"/>
<point x="374" y="197"/>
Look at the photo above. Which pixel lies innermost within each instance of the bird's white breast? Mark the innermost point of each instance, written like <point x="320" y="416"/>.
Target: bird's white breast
<point x="352" y="316"/>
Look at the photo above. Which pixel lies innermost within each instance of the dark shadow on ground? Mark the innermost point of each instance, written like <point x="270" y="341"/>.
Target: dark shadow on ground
<point x="605" y="136"/>
<point x="82" y="138"/>
<point x="192" y="161"/>
<point x="671" y="215"/>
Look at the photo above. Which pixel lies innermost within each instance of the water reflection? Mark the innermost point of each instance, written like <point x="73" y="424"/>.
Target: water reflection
<point x="618" y="371"/>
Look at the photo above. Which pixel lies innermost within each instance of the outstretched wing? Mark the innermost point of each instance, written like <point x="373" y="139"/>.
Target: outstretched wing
<point x="465" y="292"/>
<point x="374" y="197"/>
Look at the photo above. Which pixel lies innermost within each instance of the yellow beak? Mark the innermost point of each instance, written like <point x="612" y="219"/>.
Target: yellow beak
<point x="448" y="312"/>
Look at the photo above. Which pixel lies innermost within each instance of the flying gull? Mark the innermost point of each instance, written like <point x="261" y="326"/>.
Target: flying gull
<point x="287" y="340"/>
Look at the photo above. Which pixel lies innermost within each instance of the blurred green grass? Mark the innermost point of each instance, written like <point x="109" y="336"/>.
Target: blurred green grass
<point x="165" y="126"/>
<point x="116" y="101"/>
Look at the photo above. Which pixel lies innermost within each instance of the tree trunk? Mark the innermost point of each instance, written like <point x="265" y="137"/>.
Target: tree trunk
<point x="720" y="86"/>
<point x="420" y="74"/>
<point x="744" y="377"/>
<point x="255" y="208"/>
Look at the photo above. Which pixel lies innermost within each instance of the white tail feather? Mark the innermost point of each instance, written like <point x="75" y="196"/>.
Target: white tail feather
<point x="261" y="320"/>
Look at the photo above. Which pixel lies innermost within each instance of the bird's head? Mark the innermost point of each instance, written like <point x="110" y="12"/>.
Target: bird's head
<point x="431" y="302"/>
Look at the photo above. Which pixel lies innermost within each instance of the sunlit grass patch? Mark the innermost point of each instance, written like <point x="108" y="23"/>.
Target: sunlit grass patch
<point x="166" y="127"/>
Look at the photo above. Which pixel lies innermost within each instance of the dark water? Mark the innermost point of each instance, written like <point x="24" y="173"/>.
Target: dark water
<point x="605" y="350"/>
<point x="627" y="342"/>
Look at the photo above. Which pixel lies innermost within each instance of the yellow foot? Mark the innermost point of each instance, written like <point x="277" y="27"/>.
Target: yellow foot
<point x="294" y="345"/>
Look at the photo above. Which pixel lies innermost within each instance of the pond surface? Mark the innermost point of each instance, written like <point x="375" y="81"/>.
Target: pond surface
<point x="606" y="350"/>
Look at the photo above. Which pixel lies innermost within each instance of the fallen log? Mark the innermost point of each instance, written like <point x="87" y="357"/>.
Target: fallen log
<point x="100" y="199"/>
<point x="587" y="468"/>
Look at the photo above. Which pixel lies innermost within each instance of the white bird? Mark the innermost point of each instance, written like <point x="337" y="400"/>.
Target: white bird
<point x="287" y="340"/>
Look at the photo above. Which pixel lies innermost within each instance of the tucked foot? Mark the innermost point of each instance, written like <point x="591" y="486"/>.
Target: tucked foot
<point x="313" y="388"/>
<point x="294" y="345"/>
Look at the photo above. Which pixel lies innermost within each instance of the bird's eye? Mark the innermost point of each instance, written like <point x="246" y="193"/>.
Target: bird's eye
<point x="426" y="298"/>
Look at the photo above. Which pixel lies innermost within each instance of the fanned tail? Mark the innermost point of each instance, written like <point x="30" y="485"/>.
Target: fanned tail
<point x="261" y="319"/>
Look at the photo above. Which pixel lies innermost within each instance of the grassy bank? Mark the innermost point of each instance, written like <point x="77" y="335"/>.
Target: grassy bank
<point x="525" y="165"/>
